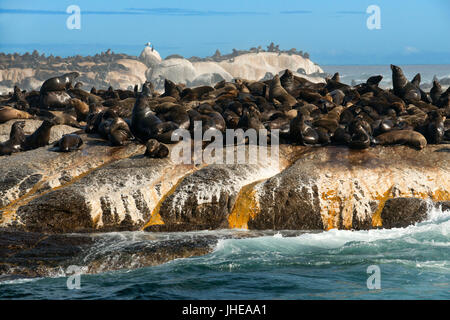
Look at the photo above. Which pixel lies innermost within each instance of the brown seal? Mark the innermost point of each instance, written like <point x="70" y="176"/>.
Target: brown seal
<point x="16" y="139"/>
<point x="408" y="137"/>
<point x="80" y="107"/>
<point x="156" y="149"/>
<point x="8" y="113"/>
<point x="69" y="142"/>
<point x="59" y="83"/>
<point x="40" y="137"/>
<point x="277" y="92"/>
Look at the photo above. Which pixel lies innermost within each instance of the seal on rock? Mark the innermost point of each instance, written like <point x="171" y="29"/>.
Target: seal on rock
<point x="8" y="113"/>
<point x="154" y="149"/>
<point x="69" y="142"/>
<point x="143" y="120"/>
<point x="16" y="139"/>
<point x="276" y="91"/>
<point x="408" y="137"/>
<point x="40" y="137"/>
<point x="302" y="132"/>
<point x="58" y="83"/>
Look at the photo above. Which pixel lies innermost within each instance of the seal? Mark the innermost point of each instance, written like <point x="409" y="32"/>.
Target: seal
<point x="407" y="137"/>
<point x="301" y="132"/>
<point x="58" y="83"/>
<point x="197" y="93"/>
<point x="69" y="142"/>
<point x="402" y="87"/>
<point x="287" y="81"/>
<point x="171" y="90"/>
<point x="399" y="80"/>
<point x="169" y="111"/>
<point x="81" y="108"/>
<point x="277" y="92"/>
<point x="436" y="91"/>
<point x="16" y="139"/>
<point x="18" y="99"/>
<point x="436" y="128"/>
<point x="60" y="118"/>
<point x="119" y="132"/>
<point x="40" y="137"/>
<point x="374" y="80"/>
<point x="54" y="99"/>
<point x="154" y="149"/>
<point x="360" y="138"/>
<point x="143" y="120"/>
<point x="8" y="113"/>
<point x="147" y="89"/>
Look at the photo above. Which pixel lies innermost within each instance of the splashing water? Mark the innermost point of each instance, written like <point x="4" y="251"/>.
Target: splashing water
<point x="414" y="264"/>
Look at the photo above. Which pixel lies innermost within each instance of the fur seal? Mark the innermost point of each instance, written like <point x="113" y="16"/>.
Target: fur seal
<point x="119" y="132"/>
<point x="436" y="128"/>
<point x="399" y="80"/>
<point x="8" y="113"/>
<point x="80" y="107"/>
<point x="174" y="112"/>
<point x="302" y="132"/>
<point x="336" y="77"/>
<point x="69" y="142"/>
<point x="436" y="91"/>
<point x="154" y="149"/>
<point x="402" y="87"/>
<point x="277" y="92"/>
<point x="147" y="89"/>
<point x="143" y="120"/>
<point x="54" y="99"/>
<point x="361" y="134"/>
<point x="408" y="137"/>
<point x="58" y="83"/>
<point x="287" y="81"/>
<point x="40" y="137"/>
<point x="16" y="139"/>
<point x="171" y="89"/>
<point x="374" y="80"/>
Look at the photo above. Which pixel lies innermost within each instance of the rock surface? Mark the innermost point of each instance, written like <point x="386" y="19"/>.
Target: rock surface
<point x="340" y="188"/>
<point x="250" y="66"/>
<point x="101" y="188"/>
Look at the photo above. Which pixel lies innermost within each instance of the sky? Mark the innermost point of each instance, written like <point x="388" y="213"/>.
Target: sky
<point x="333" y="32"/>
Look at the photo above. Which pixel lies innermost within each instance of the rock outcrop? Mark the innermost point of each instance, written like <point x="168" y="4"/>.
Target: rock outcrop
<point x="100" y="188"/>
<point x="250" y="66"/>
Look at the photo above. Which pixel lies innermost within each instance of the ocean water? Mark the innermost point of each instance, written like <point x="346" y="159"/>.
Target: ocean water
<point x="361" y="73"/>
<point x="414" y="263"/>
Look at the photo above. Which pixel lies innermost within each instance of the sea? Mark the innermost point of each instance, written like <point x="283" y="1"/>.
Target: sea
<point x="401" y="263"/>
<point x="360" y="73"/>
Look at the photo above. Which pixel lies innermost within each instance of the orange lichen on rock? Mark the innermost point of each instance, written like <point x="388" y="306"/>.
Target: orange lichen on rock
<point x="377" y="221"/>
<point x="245" y="208"/>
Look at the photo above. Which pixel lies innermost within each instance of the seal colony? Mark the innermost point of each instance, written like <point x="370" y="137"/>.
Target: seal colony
<point x="305" y="113"/>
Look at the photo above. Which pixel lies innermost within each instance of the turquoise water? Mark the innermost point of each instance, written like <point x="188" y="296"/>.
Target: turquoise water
<point x="414" y="264"/>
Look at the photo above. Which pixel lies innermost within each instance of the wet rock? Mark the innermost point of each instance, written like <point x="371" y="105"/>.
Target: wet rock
<point x="339" y="188"/>
<point x="116" y="197"/>
<point x="402" y="212"/>
<point x="29" y="175"/>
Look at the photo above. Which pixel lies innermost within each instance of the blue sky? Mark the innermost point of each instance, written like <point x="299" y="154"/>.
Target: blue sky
<point x="333" y="32"/>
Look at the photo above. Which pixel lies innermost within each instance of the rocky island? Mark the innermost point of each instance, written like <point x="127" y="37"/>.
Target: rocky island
<point x="85" y="162"/>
